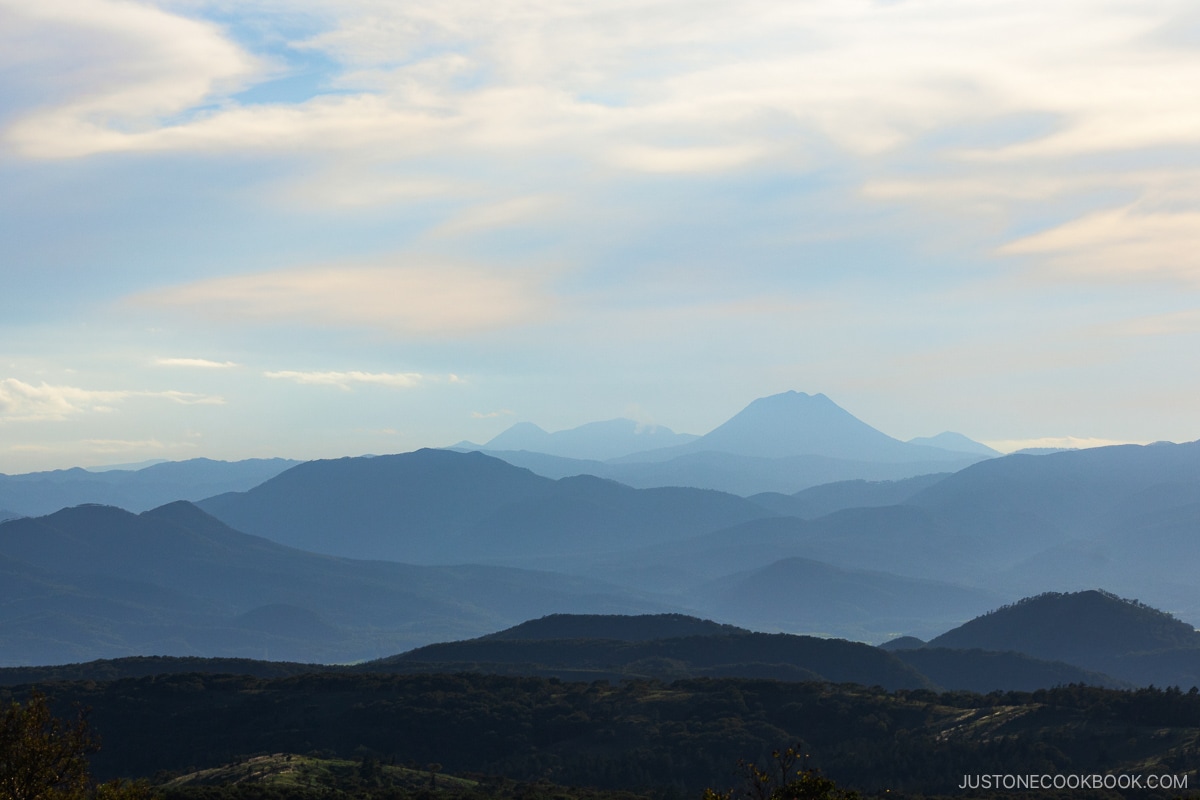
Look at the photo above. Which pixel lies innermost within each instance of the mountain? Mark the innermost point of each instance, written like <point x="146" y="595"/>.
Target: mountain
<point x="595" y="441"/>
<point x="826" y="498"/>
<point x="803" y="595"/>
<point x="726" y="472"/>
<point x="440" y="506"/>
<point x="956" y="443"/>
<point x="38" y="493"/>
<point x="98" y="582"/>
<point x="798" y="424"/>
<point x="1093" y="629"/>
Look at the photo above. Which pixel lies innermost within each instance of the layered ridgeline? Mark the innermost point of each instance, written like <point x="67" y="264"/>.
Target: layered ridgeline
<point x="95" y="582"/>
<point x="782" y="443"/>
<point x="588" y="647"/>
<point x="1120" y="517"/>
<point x="673" y="646"/>
<point x="36" y="493"/>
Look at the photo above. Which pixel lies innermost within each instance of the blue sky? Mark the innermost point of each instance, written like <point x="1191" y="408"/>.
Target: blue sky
<point x="314" y="229"/>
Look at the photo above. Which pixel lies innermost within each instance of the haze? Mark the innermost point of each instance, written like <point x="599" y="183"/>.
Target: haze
<point x="302" y="228"/>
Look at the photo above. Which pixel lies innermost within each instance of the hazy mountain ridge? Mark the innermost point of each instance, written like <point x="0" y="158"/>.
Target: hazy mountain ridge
<point x="782" y="443"/>
<point x="597" y="441"/>
<point x="39" y="493"/>
<point x="96" y="581"/>
<point x="440" y="506"/>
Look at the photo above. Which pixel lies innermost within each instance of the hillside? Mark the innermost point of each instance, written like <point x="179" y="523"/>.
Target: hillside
<point x="99" y="582"/>
<point x="742" y="654"/>
<point x="39" y="493"/>
<point x="1092" y="629"/>
<point x="440" y="506"/>
<point x="634" y="735"/>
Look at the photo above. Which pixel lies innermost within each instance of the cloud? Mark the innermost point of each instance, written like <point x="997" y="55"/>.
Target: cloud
<point x="199" y="363"/>
<point x="504" y="412"/>
<point x="503" y="214"/>
<point x="103" y="72"/>
<point x="443" y="300"/>
<point x="1066" y="442"/>
<point x="344" y="380"/>
<point x="1120" y="243"/>
<point x="24" y="402"/>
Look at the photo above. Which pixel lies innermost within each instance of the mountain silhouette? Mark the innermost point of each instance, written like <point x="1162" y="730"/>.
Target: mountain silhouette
<point x="1093" y="629"/>
<point x="441" y="506"/>
<point x="957" y="443"/>
<point x="99" y="582"/>
<point x="798" y="424"/>
<point x="39" y="493"/>
<point x="595" y="441"/>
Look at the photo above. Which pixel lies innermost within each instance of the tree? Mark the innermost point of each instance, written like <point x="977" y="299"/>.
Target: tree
<point x="783" y="781"/>
<point x="43" y="757"/>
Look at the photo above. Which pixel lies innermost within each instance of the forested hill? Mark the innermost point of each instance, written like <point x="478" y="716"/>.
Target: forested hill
<point x="636" y="735"/>
<point x="1076" y="627"/>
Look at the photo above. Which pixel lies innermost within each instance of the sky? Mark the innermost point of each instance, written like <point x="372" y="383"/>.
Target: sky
<point x="318" y="228"/>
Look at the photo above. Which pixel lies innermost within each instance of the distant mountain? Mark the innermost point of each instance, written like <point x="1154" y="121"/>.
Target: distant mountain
<point x="97" y="582"/>
<point x="1092" y="629"/>
<point x="828" y="498"/>
<point x="7" y="515"/>
<point x="956" y="443"/>
<point x="726" y="472"/>
<point x="596" y="440"/>
<point x="625" y="628"/>
<point x="798" y="424"/>
<point x="38" y="493"/>
<point x="440" y="506"/>
<point x="806" y="596"/>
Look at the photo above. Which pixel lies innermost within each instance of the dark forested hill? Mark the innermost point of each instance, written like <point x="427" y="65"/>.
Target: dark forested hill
<point x="744" y="654"/>
<point x="1093" y="629"/>
<point x="636" y="735"/>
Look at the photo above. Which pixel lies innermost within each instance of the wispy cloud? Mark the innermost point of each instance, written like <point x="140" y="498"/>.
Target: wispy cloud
<point x="344" y="380"/>
<point x="199" y="363"/>
<point x="504" y="412"/>
<point x="438" y="300"/>
<point x="121" y="68"/>
<point x="1064" y="442"/>
<point x="24" y="402"/>
<point x="1121" y="243"/>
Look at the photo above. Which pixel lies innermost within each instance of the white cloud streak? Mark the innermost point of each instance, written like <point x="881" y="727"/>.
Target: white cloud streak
<point x="24" y="402"/>
<point x="446" y="300"/>
<point x="344" y="380"/>
<point x="197" y="363"/>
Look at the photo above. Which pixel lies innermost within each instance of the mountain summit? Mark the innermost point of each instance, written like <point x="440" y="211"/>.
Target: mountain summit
<point x="798" y="424"/>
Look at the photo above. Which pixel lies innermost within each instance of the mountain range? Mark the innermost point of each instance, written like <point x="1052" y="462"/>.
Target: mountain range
<point x="350" y="558"/>
<point x="782" y="443"/>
